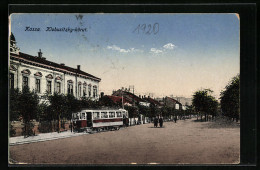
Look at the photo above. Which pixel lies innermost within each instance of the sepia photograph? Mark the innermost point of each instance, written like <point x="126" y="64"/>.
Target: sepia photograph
<point x="124" y="89"/>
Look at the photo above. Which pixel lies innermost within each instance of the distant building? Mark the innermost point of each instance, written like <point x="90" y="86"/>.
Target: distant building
<point x="116" y="100"/>
<point x="130" y="97"/>
<point x="185" y="101"/>
<point x="45" y="76"/>
<point x="173" y="103"/>
<point x="152" y="101"/>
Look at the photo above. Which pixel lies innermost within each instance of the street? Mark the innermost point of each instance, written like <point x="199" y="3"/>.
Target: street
<point x="185" y="142"/>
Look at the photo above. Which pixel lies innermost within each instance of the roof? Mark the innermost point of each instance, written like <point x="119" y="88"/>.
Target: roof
<point x="42" y="62"/>
<point x="117" y="99"/>
<point x="150" y="100"/>
<point x="138" y="99"/>
<point x="173" y="100"/>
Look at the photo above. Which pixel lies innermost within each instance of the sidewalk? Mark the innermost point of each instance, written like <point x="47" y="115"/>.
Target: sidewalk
<point x="43" y="137"/>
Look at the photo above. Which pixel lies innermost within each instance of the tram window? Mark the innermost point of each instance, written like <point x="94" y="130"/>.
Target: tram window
<point x="104" y="115"/>
<point x="111" y="114"/>
<point x="83" y="116"/>
<point x="96" y="115"/>
<point x="118" y="114"/>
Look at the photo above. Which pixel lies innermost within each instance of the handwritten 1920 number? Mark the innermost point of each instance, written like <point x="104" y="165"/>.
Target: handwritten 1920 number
<point x="147" y="28"/>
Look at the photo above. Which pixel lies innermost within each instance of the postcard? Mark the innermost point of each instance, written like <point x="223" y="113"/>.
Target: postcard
<point x="124" y="88"/>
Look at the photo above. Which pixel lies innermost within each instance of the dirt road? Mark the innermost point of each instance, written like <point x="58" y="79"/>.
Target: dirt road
<point x="186" y="141"/>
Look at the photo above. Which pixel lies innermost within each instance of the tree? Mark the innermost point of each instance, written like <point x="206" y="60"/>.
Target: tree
<point x="132" y="111"/>
<point x="167" y="111"/>
<point x="14" y="112"/>
<point x="28" y="107"/>
<point x="73" y="105"/>
<point x="58" y="107"/>
<point x="106" y="101"/>
<point x="229" y="99"/>
<point x="144" y="110"/>
<point x="204" y="103"/>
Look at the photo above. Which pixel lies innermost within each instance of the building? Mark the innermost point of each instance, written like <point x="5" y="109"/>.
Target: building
<point x="131" y="97"/>
<point x="170" y="102"/>
<point x="152" y="101"/>
<point x="116" y="100"/>
<point x="45" y="76"/>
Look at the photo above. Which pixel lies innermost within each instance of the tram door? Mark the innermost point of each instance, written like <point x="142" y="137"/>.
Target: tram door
<point x="89" y="119"/>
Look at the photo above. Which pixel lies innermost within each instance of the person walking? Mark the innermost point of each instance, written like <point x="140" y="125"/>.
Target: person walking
<point x="155" y="122"/>
<point x="161" y="121"/>
<point x="71" y="126"/>
<point x="175" y="119"/>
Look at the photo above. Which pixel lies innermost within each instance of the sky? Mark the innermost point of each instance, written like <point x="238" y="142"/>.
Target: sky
<point x="158" y="54"/>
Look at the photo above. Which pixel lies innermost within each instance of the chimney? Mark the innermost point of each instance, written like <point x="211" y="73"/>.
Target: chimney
<point x="40" y="54"/>
<point x="78" y="67"/>
<point x="144" y="96"/>
<point x="102" y="94"/>
<point x="139" y="96"/>
<point x="62" y="64"/>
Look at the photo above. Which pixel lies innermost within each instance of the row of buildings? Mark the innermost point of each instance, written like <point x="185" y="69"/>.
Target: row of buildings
<point x="44" y="76"/>
<point x="124" y="97"/>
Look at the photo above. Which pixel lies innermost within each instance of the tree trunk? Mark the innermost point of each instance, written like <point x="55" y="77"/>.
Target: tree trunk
<point x="205" y="117"/>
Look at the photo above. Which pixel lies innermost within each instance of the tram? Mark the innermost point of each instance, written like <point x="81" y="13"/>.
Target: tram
<point x="96" y="120"/>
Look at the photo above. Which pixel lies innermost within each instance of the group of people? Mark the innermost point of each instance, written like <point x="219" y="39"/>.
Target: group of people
<point x="160" y="120"/>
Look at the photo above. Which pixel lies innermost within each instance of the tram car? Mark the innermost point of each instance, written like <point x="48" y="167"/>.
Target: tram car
<point x="96" y="120"/>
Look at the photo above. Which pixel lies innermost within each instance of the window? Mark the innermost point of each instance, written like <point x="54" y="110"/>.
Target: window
<point x="58" y="87"/>
<point x="118" y="114"/>
<point x="111" y="114"/>
<point x="25" y="81"/>
<point x="79" y="90"/>
<point x="38" y="85"/>
<point x="94" y="91"/>
<point x="96" y="115"/>
<point x="84" y="91"/>
<point x="104" y="115"/>
<point x="89" y="90"/>
<point x="70" y="88"/>
<point x="83" y="116"/>
<point x="49" y="86"/>
<point x="11" y="81"/>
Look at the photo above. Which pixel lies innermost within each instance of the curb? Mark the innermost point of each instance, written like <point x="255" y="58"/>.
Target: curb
<point x="46" y="139"/>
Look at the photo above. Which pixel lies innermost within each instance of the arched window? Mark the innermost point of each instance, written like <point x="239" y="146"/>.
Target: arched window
<point x="58" y="80"/>
<point x="70" y="87"/>
<point x="79" y="89"/>
<point x="89" y="90"/>
<point x="49" y="78"/>
<point x="38" y="76"/>
<point x="95" y="91"/>
<point x="11" y="76"/>
<point x="84" y="89"/>
<point x="26" y="73"/>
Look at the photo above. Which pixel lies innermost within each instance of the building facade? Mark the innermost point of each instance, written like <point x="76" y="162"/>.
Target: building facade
<point x="43" y="76"/>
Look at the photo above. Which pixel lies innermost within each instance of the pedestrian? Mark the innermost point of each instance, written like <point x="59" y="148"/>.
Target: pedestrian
<point x="175" y="119"/>
<point x="161" y="121"/>
<point x="155" y="122"/>
<point x="71" y="126"/>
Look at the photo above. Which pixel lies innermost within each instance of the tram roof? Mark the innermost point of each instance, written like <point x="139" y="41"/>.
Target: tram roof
<point x="97" y="110"/>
